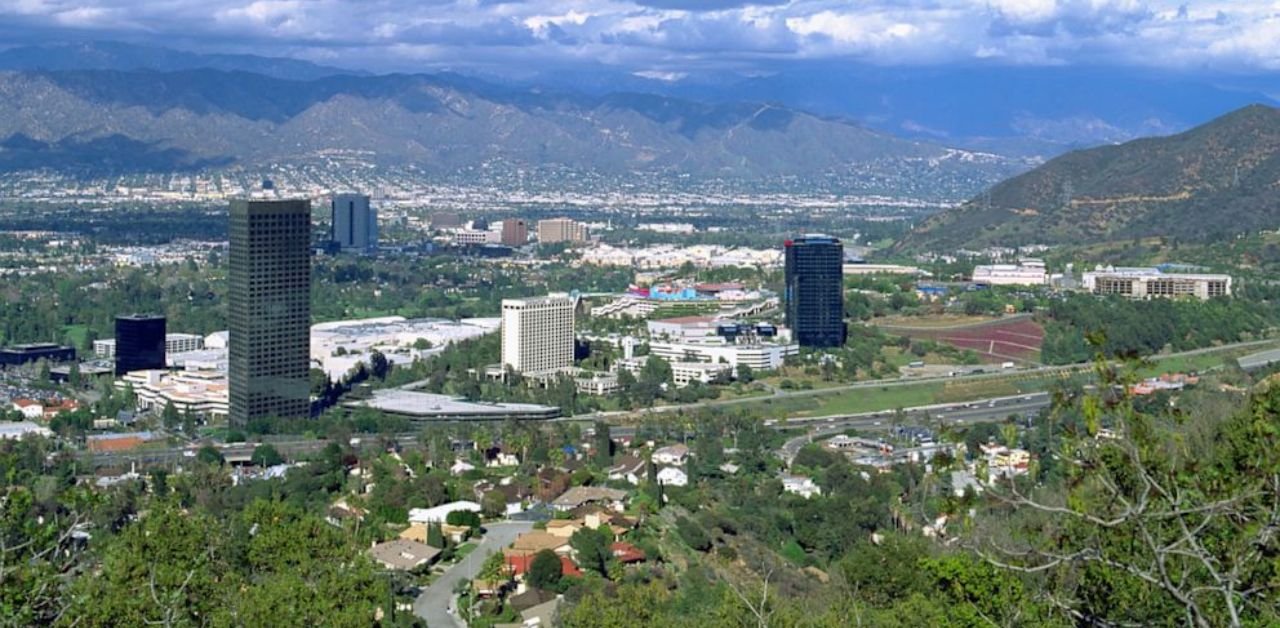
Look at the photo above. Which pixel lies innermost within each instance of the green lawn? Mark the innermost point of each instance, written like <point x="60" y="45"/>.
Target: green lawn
<point x="886" y="398"/>
<point x="464" y="549"/>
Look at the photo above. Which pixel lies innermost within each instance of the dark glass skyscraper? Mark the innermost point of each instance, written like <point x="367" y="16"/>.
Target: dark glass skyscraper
<point x="815" y="290"/>
<point x="269" y="310"/>
<point x="139" y="343"/>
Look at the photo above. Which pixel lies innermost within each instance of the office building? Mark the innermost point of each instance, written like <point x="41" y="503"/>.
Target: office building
<point x="537" y="334"/>
<point x="1149" y="283"/>
<point x="814" y="293"/>
<point x="18" y="355"/>
<point x="355" y="224"/>
<point x="182" y="343"/>
<point x="562" y="230"/>
<point x="269" y="310"/>
<point x="515" y="232"/>
<point x="140" y="343"/>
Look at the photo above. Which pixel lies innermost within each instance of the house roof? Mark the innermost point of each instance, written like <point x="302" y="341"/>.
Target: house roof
<point x="627" y="553"/>
<point x="403" y="553"/>
<point x="678" y="449"/>
<point x="580" y="495"/>
<point x="520" y="564"/>
<point x="536" y="541"/>
<point x="627" y="464"/>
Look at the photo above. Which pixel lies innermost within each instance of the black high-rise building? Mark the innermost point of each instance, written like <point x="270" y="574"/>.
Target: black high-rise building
<point x="814" y="294"/>
<point x="139" y="343"/>
<point x="269" y="310"/>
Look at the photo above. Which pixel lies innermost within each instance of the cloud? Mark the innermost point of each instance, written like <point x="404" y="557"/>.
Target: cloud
<point x="677" y="35"/>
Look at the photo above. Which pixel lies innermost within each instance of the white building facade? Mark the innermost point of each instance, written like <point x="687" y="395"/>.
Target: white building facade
<point x="537" y="334"/>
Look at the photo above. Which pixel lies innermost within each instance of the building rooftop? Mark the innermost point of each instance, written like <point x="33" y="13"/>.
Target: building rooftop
<point x="444" y="407"/>
<point x="403" y="553"/>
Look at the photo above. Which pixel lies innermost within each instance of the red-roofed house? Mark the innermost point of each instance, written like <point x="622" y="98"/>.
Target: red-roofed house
<point x="519" y="565"/>
<point x="627" y="553"/>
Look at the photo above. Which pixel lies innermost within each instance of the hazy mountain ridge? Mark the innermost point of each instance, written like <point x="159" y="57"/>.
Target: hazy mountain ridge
<point x="1217" y="179"/>
<point x="438" y="122"/>
<point x="112" y="55"/>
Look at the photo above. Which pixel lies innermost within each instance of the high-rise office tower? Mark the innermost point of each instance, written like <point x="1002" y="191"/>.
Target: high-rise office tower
<point x="355" y="224"/>
<point x="269" y="310"/>
<point x="537" y="333"/>
<point x="515" y="232"/>
<point x="815" y="290"/>
<point x="139" y="343"/>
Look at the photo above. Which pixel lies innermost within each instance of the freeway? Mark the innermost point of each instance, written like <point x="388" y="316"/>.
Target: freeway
<point x="984" y="411"/>
<point x="900" y="381"/>
<point x="299" y="446"/>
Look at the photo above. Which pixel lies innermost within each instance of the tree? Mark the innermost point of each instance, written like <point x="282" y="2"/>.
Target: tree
<point x="592" y="546"/>
<point x="378" y="365"/>
<point x="1156" y="523"/>
<point x="210" y="455"/>
<point x="493" y="503"/>
<point x="73" y="375"/>
<point x="692" y="534"/>
<point x="545" y="570"/>
<point x="169" y="416"/>
<point x="463" y="518"/>
<point x="42" y="368"/>
<point x="603" y="450"/>
<point x="266" y="455"/>
<point x="746" y="374"/>
<point x="435" y="535"/>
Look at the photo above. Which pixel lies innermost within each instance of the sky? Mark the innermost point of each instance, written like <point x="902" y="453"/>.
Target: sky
<point x="666" y="39"/>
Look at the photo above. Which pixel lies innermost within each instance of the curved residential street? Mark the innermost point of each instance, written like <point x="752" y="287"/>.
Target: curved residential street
<point x="436" y="599"/>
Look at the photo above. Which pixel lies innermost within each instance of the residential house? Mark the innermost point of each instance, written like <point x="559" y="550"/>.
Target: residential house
<point x="583" y="495"/>
<point x="671" y="455"/>
<point x="627" y="468"/>
<point x="518" y="565"/>
<point x="535" y="541"/>
<point x="342" y="511"/>
<point x="1005" y="462"/>
<point x="565" y="528"/>
<point x="496" y="457"/>
<point x="627" y="553"/>
<point x="403" y="554"/>
<point x="672" y="476"/>
<point x="441" y="513"/>
<point x="800" y="485"/>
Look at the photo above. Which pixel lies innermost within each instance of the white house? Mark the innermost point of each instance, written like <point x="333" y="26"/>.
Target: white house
<point x="461" y="466"/>
<point x="441" y="512"/>
<point x="671" y="455"/>
<point x="800" y="485"/>
<point x="671" y="476"/>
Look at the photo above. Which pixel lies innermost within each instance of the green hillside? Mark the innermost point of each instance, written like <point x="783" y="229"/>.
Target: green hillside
<point x="1216" y="180"/>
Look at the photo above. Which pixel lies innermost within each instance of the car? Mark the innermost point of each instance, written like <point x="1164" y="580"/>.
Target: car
<point x="190" y="453"/>
<point x="877" y="423"/>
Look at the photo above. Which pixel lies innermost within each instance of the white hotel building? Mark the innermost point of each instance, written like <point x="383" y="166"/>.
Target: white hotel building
<point x="537" y="334"/>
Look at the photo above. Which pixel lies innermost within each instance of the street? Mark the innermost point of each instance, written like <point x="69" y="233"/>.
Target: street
<point x="435" y="601"/>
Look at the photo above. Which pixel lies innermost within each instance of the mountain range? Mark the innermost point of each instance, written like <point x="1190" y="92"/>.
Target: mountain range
<point x="112" y="120"/>
<point x="1034" y="112"/>
<point x="1213" y="181"/>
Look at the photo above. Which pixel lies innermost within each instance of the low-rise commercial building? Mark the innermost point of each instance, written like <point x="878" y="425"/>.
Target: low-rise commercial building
<point x="419" y="406"/>
<point x="200" y="393"/>
<point x="1148" y="283"/>
<point x="1028" y="272"/>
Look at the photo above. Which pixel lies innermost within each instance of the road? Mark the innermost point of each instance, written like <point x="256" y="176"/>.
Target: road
<point x="988" y="410"/>
<point x="298" y="446"/>
<point x="435" y="601"/>
<point x="911" y="381"/>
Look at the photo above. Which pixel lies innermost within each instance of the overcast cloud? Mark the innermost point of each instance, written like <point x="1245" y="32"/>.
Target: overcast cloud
<point x="669" y="37"/>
